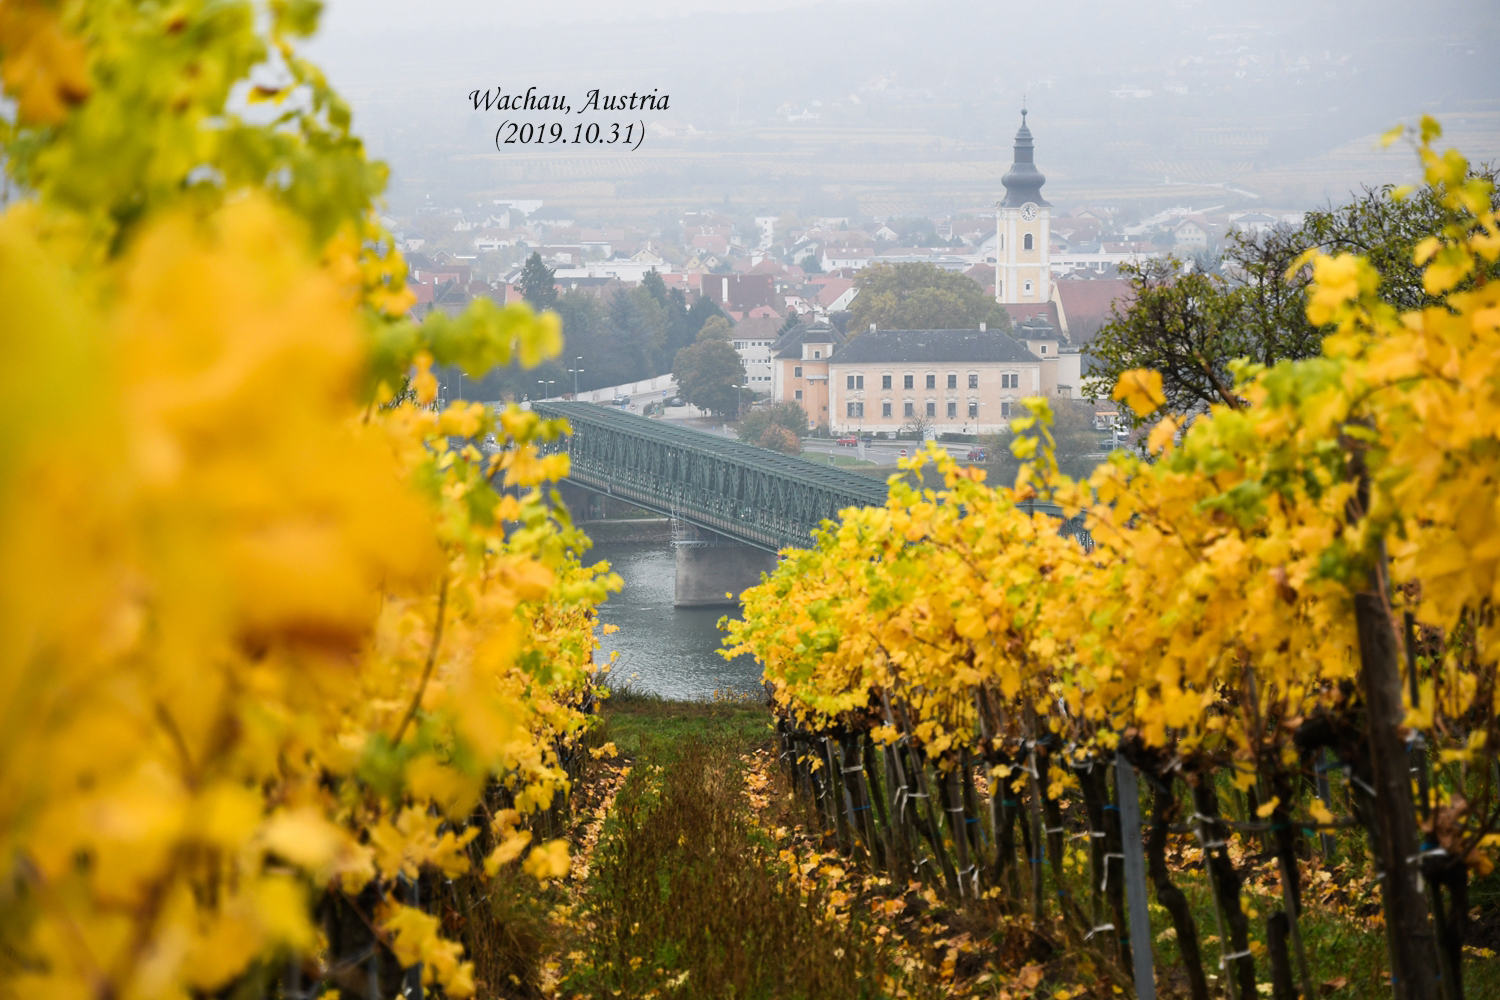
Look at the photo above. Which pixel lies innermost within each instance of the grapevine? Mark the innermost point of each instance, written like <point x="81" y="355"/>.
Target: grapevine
<point x="1303" y="582"/>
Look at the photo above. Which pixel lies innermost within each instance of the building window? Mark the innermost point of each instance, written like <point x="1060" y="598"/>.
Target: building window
<point x="953" y="381"/>
<point x="973" y="380"/>
<point x="1011" y="381"/>
<point x="1005" y="409"/>
<point x="931" y="408"/>
<point x="885" y="409"/>
<point x="1028" y="244"/>
<point x="859" y="381"/>
<point x="817" y="355"/>
<point x="855" y="409"/>
<point x="906" y="381"/>
<point x="796" y="371"/>
<point x="908" y="411"/>
<point x="848" y="381"/>
<point x="1028" y="288"/>
<point x="973" y="408"/>
<point x="952" y="408"/>
<point x="798" y="394"/>
<point x="885" y="381"/>
<point x="1044" y="348"/>
<point x="932" y="381"/>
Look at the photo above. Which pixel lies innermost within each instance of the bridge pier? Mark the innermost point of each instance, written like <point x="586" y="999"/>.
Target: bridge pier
<point x="713" y="571"/>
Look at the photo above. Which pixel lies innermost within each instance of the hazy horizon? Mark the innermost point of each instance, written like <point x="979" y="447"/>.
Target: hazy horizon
<point x="878" y="107"/>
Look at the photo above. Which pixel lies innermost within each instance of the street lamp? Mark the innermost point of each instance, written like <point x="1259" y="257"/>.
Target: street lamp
<point x="739" y="399"/>
<point x="575" y="372"/>
<point x="549" y="383"/>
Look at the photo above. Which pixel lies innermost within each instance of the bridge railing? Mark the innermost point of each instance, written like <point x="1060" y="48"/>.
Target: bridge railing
<point x="752" y="495"/>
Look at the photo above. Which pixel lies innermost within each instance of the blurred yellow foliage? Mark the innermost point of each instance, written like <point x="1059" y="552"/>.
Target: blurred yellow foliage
<point x="267" y="631"/>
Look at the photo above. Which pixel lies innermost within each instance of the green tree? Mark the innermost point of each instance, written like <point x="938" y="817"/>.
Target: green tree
<point x="922" y="297"/>
<point x="708" y="374"/>
<point x="639" y="338"/>
<point x="1191" y="326"/>
<point x="1385" y="225"/>
<point x="1187" y="326"/>
<point x="537" y="286"/>
<point x="788" y="416"/>
<point x="717" y="328"/>
<point x="1078" y="445"/>
<point x="699" y="313"/>
<point x="778" y="438"/>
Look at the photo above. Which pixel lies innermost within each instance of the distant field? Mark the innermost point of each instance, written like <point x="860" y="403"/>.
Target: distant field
<point x="895" y="171"/>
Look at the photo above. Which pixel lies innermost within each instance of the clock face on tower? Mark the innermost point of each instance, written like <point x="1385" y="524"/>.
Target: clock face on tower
<point x="1028" y="211"/>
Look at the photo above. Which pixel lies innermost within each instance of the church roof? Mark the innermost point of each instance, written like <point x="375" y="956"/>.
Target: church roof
<point x="1023" y="182"/>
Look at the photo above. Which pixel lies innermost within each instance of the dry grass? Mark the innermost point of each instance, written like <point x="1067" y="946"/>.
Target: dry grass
<point x="688" y="901"/>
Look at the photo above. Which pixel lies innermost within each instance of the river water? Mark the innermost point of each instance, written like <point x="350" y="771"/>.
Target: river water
<point x="665" y="650"/>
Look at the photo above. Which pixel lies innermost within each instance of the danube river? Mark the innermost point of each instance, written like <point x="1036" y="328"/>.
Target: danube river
<point x="665" y="650"/>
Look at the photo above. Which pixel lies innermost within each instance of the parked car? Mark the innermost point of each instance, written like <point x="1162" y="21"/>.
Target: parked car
<point x="676" y="401"/>
<point x="622" y="400"/>
<point x="976" y="454"/>
<point x="849" y="441"/>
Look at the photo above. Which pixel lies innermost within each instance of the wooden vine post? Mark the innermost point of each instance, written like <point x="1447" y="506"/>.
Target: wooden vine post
<point x="1394" y="822"/>
<point x="1128" y="794"/>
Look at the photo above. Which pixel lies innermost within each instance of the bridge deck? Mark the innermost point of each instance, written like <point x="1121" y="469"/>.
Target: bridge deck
<point x="749" y="494"/>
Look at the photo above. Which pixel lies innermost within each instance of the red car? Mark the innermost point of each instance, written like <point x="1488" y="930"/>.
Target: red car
<point x="849" y="441"/>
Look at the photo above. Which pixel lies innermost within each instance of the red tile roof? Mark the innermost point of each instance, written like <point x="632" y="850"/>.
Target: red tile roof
<point x="1090" y="301"/>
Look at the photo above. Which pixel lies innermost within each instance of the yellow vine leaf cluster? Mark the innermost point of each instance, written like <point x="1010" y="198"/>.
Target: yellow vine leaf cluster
<point x="1213" y="612"/>
<point x="270" y="626"/>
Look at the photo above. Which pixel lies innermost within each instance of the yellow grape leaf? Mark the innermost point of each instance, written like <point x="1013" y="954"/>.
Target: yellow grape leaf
<point x="1162" y="435"/>
<point x="1268" y="807"/>
<point x="506" y="852"/>
<point x="44" y="69"/>
<point x="1320" y="812"/>
<point x="548" y="860"/>
<point x="415" y="938"/>
<point x="455" y="791"/>
<point x="305" y="838"/>
<point x="1140" y="389"/>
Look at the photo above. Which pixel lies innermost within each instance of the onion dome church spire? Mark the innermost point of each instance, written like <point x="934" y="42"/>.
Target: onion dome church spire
<point x="1023" y="183"/>
<point x="1023" y="226"/>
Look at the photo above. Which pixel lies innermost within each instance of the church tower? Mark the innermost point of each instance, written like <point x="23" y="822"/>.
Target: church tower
<point x="1023" y="229"/>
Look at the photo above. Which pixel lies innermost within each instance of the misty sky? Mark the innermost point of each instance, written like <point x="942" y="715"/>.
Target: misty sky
<point x="895" y="105"/>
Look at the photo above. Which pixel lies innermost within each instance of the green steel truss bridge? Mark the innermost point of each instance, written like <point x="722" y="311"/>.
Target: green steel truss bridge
<point x="746" y="494"/>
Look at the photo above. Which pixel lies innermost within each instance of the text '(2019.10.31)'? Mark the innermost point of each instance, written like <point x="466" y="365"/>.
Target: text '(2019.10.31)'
<point x="511" y="133"/>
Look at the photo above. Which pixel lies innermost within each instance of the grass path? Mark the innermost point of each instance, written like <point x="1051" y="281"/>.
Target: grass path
<point x="698" y="875"/>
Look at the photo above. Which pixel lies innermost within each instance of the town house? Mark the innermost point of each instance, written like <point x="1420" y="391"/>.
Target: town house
<point x="946" y="381"/>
